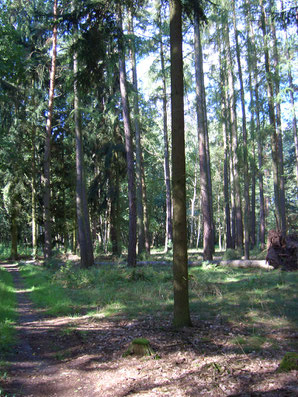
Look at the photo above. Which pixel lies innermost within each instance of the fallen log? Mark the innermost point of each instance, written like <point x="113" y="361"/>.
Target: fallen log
<point x="246" y="263"/>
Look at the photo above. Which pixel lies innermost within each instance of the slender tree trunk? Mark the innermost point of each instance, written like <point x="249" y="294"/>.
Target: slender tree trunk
<point x="279" y="129"/>
<point x="129" y="148"/>
<point x="256" y="101"/>
<point x="115" y="203"/>
<point x="84" y="232"/>
<point x="145" y="209"/>
<point x="274" y="138"/>
<point x="294" y="119"/>
<point x="229" y="243"/>
<point x="234" y="147"/>
<point x="291" y="92"/>
<point x="47" y="154"/>
<point x="193" y="206"/>
<point x="245" y="144"/>
<point x="138" y="173"/>
<point x="180" y="263"/>
<point x="14" y="234"/>
<point x="33" y="196"/>
<point x="169" y="232"/>
<point x="206" y="201"/>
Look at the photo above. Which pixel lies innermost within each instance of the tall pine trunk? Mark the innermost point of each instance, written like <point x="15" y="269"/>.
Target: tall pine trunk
<point x="256" y="101"/>
<point x="14" y="232"/>
<point x="245" y="144"/>
<point x="47" y="154"/>
<point x="132" y="237"/>
<point x="138" y="173"/>
<point x="84" y="232"/>
<point x="180" y="265"/>
<point x="274" y="137"/>
<point x="234" y="147"/>
<point x="167" y="177"/>
<point x="33" y="195"/>
<point x="205" y="191"/>
<point x="281" y="186"/>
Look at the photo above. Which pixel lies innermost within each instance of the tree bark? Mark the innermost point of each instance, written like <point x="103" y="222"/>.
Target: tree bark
<point x="84" y="232"/>
<point x="169" y="231"/>
<point x="279" y="130"/>
<point x="14" y="233"/>
<point x="205" y="191"/>
<point x="180" y="265"/>
<point x="225" y="112"/>
<point x="138" y="173"/>
<point x="245" y="148"/>
<point x="234" y="146"/>
<point x="47" y="154"/>
<point x="274" y="137"/>
<point x="33" y="196"/>
<point x="129" y="148"/>
<point x="256" y="102"/>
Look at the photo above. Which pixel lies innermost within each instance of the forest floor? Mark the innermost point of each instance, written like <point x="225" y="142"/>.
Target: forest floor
<point x="83" y="356"/>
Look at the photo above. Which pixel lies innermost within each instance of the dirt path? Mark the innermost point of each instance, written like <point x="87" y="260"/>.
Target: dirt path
<point x="82" y="356"/>
<point x="33" y="371"/>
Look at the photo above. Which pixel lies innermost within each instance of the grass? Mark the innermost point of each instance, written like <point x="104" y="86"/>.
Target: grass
<point x="7" y="312"/>
<point x="255" y="297"/>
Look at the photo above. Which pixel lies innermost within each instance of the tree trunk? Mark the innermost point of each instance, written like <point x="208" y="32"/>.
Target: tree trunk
<point x="279" y="131"/>
<point x="234" y="147"/>
<point x="14" y="234"/>
<point x="274" y="138"/>
<point x="256" y="101"/>
<point x="229" y="242"/>
<point x="33" y="196"/>
<point x="294" y="120"/>
<point x="84" y="232"/>
<point x="138" y="173"/>
<point x="193" y="206"/>
<point x="245" y="149"/>
<point x="180" y="265"/>
<point x="47" y="154"/>
<point x="169" y="231"/>
<point x="145" y="209"/>
<point x="206" y="200"/>
<point x="129" y="148"/>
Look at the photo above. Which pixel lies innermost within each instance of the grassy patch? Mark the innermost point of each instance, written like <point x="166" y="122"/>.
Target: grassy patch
<point x="103" y="291"/>
<point x="255" y="297"/>
<point x="7" y="311"/>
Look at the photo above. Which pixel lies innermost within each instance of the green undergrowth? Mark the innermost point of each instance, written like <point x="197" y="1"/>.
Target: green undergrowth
<point x="256" y="297"/>
<point x="7" y="312"/>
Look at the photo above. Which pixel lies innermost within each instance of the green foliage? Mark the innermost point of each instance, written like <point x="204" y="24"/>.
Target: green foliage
<point x="231" y="254"/>
<point x="7" y="311"/>
<point x="289" y="362"/>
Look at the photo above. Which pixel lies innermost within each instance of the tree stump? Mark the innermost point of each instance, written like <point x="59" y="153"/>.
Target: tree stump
<point x="139" y="347"/>
<point x="282" y="252"/>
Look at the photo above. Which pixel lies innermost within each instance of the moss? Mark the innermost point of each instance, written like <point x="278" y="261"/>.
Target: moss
<point x="141" y="341"/>
<point x="139" y="347"/>
<point x="289" y="362"/>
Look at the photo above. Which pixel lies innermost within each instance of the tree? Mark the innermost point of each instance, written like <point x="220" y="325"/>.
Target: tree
<point x="245" y="144"/>
<point x="279" y="209"/>
<point x="84" y="233"/>
<point x="128" y="146"/>
<point x="138" y="173"/>
<point x="180" y="263"/>
<point x="206" y="192"/>
<point x="167" y="177"/>
<point x="47" y="151"/>
<point x="234" y="145"/>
